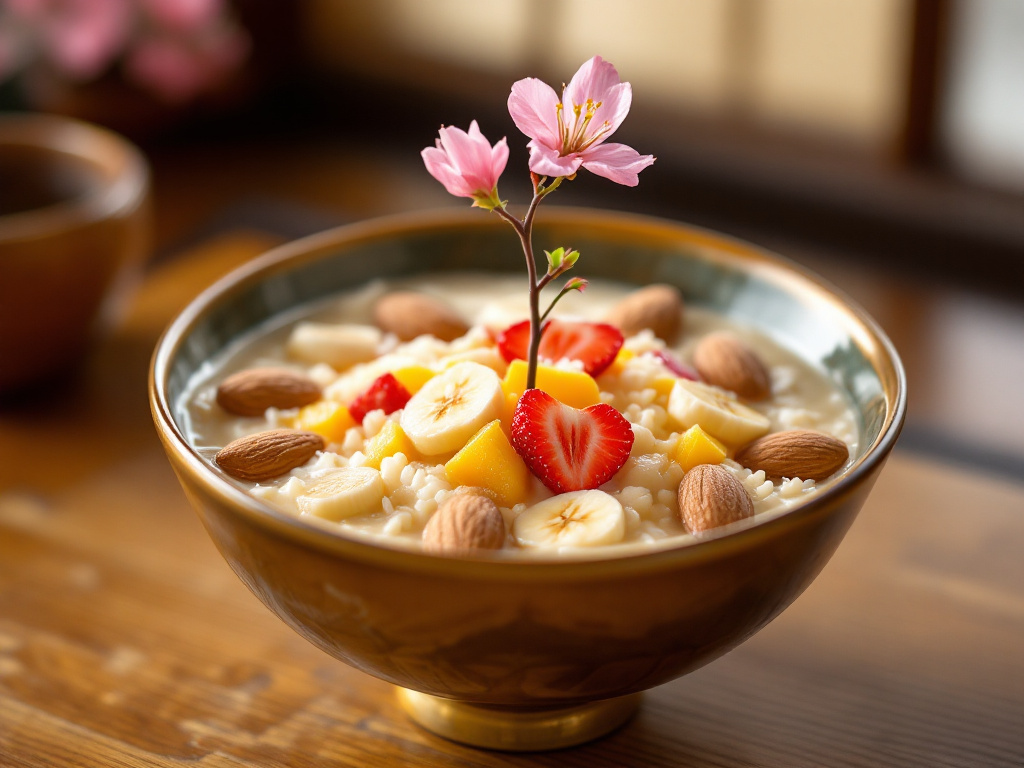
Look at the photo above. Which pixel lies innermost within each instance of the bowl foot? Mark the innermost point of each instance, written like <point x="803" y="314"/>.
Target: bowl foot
<point x="517" y="730"/>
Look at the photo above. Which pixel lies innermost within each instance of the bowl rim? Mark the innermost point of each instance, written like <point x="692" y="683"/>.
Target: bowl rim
<point x="773" y="268"/>
<point x="121" y="166"/>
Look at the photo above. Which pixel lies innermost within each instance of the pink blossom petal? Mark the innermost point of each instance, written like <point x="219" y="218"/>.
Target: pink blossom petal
<point x="438" y="166"/>
<point x="466" y="163"/>
<point x="565" y="135"/>
<point x="592" y="80"/>
<point x="614" y="108"/>
<point x="479" y="151"/>
<point x="617" y="162"/>
<point x="533" y="106"/>
<point x="499" y="158"/>
<point x="546" y="161"/>
<point x="470" y="155"/>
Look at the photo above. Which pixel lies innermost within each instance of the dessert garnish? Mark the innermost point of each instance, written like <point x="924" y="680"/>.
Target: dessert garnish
<point x="595" y="345"/>
<point x="566" y="134"/>
<point x="570" y="449"/>
<point x="265" y="455"/>
<point x="710" y="497"/>
<point x="658" y="308"/>
<point x="469" y="434"/>
<point x="725" y="361"/>
<point x="251" y="392"/>
<point x="803" y="453"/>
<point x="464" y="522"/>
<point x="386" y="393"/>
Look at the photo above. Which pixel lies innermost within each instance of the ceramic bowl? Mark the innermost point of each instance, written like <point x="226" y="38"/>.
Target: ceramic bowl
<point x="531" y="654"/>
<point x="73" y="225"/>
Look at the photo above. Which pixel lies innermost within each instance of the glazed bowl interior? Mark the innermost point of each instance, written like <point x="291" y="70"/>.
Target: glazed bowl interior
<point x="538" y="632"/>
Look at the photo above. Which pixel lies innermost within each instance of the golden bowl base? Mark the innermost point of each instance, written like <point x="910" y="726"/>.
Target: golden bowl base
<point x="516" y="730"/>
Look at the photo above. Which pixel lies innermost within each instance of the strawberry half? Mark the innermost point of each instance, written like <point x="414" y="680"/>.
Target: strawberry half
<point x="570" y="449"/>
<point x="386" y="393"/>
<point x="593" y="344"/>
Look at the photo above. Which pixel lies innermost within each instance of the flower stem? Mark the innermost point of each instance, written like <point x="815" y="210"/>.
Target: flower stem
<point x="524" y="229"/>
<point x="554" y="301"/>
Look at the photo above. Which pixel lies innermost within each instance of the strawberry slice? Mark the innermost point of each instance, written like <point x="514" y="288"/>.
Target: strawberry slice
<point x="570" y="449"/>
<point x="514" y="341"/>
<point x="386" y="393"/>
<point x="675" y="365"/>
<point x="593" y="344"/>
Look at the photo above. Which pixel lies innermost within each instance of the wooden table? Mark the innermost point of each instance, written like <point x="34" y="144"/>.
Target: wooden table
<point x="125" y="640"/>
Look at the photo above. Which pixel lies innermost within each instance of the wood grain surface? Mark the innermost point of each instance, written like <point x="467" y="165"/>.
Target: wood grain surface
<point x="126" y="641"/>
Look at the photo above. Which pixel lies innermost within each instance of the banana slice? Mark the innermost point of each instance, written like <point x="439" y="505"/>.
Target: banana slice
<point x="717" y="412"/>
<point x="577" y="519"/>
<point x="343" y="492"/>
<point x="451" y="407"/>
<point x="340" y="346"/>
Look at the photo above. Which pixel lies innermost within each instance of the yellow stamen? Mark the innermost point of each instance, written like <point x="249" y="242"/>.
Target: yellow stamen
<point x="575" y="139"/>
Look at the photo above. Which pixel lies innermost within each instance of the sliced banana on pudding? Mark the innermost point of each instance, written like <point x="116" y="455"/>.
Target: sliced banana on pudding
<point x="343" y="492"/>
<point x="716" y="411"/>
<point x="340" y="346"/>
<point x="577" y="519"/>
<point x="451" y="407"/>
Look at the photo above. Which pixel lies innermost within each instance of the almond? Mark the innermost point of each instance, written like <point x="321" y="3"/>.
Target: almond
<point x="801" y="453"/>
<point x="251" y="392"/>
<point x="656" y="307"/>
<point x="266" y="455"/>
<point x="709" y="497"/>
<point x="725" y="361"/>
<point x="465" y="522"/>
<point x="408" y="314"/>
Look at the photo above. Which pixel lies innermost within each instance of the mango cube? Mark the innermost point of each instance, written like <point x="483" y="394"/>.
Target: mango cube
<point x="574" y="388"/>
<point x="389" y="441"/>
<point x="413" y="377"/>
<point x="327" y="418"/>
<point x="490" y="462"/>
<point x="663" y="385"/>
<point x="509" y="410"/>
<point x="623" y="357"/>
<point x="695" y="447"/>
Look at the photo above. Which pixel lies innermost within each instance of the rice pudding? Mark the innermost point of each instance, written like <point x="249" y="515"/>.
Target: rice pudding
<point x="434" y="441"/>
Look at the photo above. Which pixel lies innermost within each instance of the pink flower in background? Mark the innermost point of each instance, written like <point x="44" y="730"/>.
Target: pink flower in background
<point x="177" y="68"/>
<point x="175" y="48"/>
<point x="81" y="37"/>
<point x="467" y="164"/>
<point x="570" y="133"/>
<point x="183" y="15"/>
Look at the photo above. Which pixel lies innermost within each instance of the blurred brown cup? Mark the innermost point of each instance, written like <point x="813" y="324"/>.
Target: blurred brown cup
<point x="73" y="233"/>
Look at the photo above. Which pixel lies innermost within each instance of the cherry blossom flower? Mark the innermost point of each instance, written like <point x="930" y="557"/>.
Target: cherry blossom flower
<point x="176" y="48"/>
<point x="179" y="67"/>
<point x="467" y="164"/>
<point x="569" y="133"/>
<point x="81" y="37"/>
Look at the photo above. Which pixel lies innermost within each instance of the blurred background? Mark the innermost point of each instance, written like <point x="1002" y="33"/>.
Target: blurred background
<point x="880" y="142"/>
